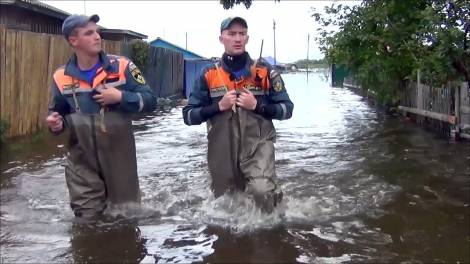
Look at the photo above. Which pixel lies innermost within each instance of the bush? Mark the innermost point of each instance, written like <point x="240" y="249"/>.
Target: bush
<point x="4" y="126"/>
<point x="139" y="53"/>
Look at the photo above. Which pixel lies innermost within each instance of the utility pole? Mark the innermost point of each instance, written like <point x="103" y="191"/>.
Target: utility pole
<point x="186" y="40"/>
<point x="308" y="48"/>
<point x="261" y="50"/>
<point x="84" y="8"/>
<point x="274" y="29"/>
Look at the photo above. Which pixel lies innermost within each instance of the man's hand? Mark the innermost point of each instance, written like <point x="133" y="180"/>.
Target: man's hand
<point x="228" y="100"/>
<point x="108" y="95"/>
<point x="246" y="100"/>
<point x="55" y="122"/>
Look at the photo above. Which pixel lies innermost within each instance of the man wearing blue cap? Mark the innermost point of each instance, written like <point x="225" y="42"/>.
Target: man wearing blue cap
<point x="238" y="98"/>
<point x="93" y="97"/>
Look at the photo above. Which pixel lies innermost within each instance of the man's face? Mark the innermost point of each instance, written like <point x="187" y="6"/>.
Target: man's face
<point x="234" y="39"/>
<point x="86" y="39"/>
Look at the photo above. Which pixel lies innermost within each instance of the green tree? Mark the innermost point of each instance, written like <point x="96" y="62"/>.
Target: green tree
<point x="303" y="64"/>
<point x="139" y="53"/>
<point x="227" y="4"/>
<point x="384" y="43"/>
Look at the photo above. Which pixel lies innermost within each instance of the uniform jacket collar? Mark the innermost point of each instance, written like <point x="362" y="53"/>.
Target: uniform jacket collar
<point x="246" y="69"/>
<point x="71" y="68"/>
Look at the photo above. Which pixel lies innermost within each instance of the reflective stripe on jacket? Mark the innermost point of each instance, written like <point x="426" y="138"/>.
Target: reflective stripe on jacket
<point x="208" y="89"/>
<point x="101" y="163"/>
<point x="115" y="71"/>
<point x="241" y="142"/>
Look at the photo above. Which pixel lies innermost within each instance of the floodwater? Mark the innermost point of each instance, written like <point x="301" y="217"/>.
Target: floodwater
<point x="359" y="185"/>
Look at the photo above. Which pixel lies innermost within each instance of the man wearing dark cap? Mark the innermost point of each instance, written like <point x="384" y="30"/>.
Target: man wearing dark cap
<point x="93" y="97"/>
<point x="238" y="97"/>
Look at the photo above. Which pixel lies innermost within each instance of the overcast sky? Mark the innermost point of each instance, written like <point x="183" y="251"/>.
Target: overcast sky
<point x="171" y="20"/>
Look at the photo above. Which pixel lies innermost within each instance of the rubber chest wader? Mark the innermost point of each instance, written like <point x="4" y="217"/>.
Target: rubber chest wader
<point x="241" y="155"/>
<point x="101" y="163"/>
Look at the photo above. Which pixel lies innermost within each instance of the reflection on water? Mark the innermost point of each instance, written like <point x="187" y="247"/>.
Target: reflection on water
<point x="89" y="242"/>
<point x="359" y="186"/>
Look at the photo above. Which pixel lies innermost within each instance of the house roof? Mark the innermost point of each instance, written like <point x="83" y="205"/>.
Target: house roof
<point x="48" y="10"/>
<point x="123" y="31"/>
<point x="176" y="47"/>
<point x="36" y="6"/>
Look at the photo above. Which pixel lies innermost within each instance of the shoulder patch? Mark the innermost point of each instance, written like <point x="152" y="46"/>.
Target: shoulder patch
<point x="278" y="86"/>
<point x="136" y="74"/>
<point x="276" y="79"/>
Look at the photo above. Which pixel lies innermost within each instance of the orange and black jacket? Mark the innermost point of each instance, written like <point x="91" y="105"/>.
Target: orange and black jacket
<point x="71" y="93"/>
<point x="216" y="79"/>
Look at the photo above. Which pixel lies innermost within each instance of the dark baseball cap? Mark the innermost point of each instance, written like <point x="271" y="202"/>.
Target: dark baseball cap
<point x="74" y="21"/>
<point x="226" y="23"/>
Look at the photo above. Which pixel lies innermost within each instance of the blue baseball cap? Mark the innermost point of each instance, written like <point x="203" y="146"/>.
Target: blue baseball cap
<point x="226" y="23"/>
<point x="74" y="21"/>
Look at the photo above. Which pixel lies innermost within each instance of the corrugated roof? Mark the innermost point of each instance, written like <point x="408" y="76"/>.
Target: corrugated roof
<point x="124" y="31"/>
<point x="37" y="6"/>
<point x="48" y="10"/>
<point x="176" y="47"/>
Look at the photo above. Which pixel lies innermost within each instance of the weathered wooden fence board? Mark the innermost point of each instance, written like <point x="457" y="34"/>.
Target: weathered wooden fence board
<point x="164" y="71"/>
<point x="449" y="104"/>
<point x="27" y="62"/>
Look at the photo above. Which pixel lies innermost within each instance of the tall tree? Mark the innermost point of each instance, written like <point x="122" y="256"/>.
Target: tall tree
<point x="384" y="43"/>
<point x="227" y="4"/>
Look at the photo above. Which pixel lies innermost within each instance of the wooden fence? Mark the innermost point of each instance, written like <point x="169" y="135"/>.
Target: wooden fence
<point x="164" y="71"/>
<point x="445" y="108"/>
<point x="27" y="62"/>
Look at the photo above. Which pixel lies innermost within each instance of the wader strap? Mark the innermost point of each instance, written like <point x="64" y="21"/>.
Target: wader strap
<point x="102" y="124"/>
<point x="75" y="100"/>
<point x="234" y="107"/>
<point x="103" y="109"/>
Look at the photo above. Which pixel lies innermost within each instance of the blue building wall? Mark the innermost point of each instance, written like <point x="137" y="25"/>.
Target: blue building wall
<point x="193" y="63"/>
<point x="192" y="70"/>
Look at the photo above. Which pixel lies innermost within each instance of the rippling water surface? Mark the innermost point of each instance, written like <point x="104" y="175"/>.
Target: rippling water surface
<point x="359" y="186"/>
